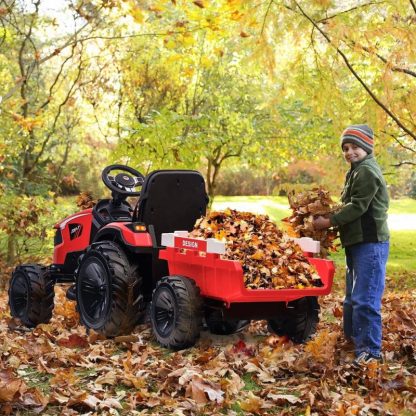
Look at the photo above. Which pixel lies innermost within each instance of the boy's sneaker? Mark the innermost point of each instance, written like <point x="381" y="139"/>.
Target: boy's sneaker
<point x="366" y="358"/>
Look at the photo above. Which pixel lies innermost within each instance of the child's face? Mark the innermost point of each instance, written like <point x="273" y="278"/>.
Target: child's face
<point x="353" y="153"/>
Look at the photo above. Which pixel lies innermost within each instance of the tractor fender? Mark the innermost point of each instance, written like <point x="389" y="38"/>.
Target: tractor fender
<point x="125" y="235"/>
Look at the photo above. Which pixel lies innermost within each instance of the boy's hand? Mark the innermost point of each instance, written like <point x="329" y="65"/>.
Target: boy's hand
<point x="321" y="222"/>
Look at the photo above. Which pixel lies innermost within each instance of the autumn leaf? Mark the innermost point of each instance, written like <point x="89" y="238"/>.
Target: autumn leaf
<point x="202" y="391"/>
<point x="282" y="399"/>
<point x="73" y="341"/>
<point x="10" y="386"/>
<point x="252" y="403"/>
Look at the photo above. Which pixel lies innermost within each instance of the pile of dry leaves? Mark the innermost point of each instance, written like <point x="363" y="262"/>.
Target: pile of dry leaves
<point x="58" y="369"/>
<point x="306" y="205"/>
<point x="270" y="259"/>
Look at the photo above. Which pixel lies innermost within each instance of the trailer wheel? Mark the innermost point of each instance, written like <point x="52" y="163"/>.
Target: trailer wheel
<point x="176" y="312"/>
<point x="108" y="288"/>
<point x="219" y="325"/>
<point x="31" y="294"/>
<point x="298" y="320"/>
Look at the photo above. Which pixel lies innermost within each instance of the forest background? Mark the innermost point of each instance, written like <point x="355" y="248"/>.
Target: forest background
<point x="254" y="94"/>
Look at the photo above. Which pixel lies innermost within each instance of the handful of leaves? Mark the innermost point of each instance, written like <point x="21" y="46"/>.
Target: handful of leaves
<point x="85" y="200"/>
<point x="306" y="205"/>
<point x="269" y="258"/>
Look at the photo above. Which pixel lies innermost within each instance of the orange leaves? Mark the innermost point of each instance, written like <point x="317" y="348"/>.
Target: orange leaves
<point x="270" y="259"/>
<point x="199" y="3"/>
<point x="27" y="123"/>
<point x="306" y="205"/>
<point x="322" y="346"/>
<point x="202" y="391"/>
<point x="9" y="385"/>
<point x="252" y="403"/>
<point x="15" y="390"/>
<point x="73" y="341"/>
<point x="64" y="377"/>
<point x="254" y="371"/>
<point x="85" y="200"/>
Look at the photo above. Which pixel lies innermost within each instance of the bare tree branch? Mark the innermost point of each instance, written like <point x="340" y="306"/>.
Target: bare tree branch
<point x="413" y="5"/>
<point x="265" y="16"/>
<point x="57" y="115"/>
<point x="359" y="6"/>
<point x="397" y="165"/>
<point x="359" y="79"/>
<point x="394" y="68"/>
<point x="396" y="139"/>
<point x="57" y="77"/>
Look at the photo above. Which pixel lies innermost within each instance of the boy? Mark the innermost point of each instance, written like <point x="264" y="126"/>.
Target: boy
<point x="362" y="223"/>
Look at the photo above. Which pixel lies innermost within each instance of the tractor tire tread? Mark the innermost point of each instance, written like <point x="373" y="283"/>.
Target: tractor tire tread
<point x="41" y="294"/>
<point x="125" y="290"/>
<point x="189" y="316"/>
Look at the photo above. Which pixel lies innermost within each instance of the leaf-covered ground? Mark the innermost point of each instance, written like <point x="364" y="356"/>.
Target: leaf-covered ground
<point x="59" y="369"/>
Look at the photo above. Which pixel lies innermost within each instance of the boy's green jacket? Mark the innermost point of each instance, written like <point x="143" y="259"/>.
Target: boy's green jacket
<point x="363" y="217"/>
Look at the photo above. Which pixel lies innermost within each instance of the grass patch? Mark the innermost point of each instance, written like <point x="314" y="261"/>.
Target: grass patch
<point x="250" y="383"/>
<point x="35" y="378"/>
<point x="403" y="206"/>
<point x="236" y="408"/>
<point x="85" y="376"/>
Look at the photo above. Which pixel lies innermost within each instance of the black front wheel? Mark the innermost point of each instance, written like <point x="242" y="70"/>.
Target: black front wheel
<point x="297" y="320"/>
<point x="108" y="290"/>
<point x="31" y="294"/>
<point x="175" y="312"/>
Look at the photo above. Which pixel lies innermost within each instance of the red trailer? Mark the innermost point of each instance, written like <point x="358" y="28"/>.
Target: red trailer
<point x="220" y="283"/>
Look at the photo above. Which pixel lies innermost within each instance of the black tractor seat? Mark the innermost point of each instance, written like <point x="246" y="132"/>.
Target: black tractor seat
<point x="171" y="200"/>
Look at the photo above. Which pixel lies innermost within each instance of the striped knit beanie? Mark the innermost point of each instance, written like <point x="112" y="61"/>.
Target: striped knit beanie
<point x="359" y="134"/>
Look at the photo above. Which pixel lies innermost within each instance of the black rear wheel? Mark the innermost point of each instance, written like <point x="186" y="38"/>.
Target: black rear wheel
<point x="31" y="294"/>
<point x="298" y="320"/>
<point x="176" y="312"/>
<point x="108" y="290"/>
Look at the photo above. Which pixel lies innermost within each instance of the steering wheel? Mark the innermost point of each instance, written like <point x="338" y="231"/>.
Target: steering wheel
<point x="124" y="183"/>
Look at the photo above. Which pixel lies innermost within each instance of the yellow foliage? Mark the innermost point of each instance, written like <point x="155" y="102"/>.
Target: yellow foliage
<point x="323" y="3"/>
<point x="137" y="14"/>
<point x="206" y="62"/>
<point x="187" y="39"/>
<point x="27" y="123"/>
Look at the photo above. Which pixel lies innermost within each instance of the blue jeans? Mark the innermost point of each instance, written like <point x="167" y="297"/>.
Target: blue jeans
<point x="366" y="271"/>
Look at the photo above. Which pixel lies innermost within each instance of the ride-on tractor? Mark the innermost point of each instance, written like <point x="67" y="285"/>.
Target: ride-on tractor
<point x="124" y="260"/>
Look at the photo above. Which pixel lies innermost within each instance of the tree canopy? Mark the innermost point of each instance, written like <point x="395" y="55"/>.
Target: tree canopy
<point x="207" y="85"/>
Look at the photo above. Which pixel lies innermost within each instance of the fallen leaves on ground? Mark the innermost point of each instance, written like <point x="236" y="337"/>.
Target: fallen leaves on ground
<point x="57" y="368"/>
<point x="269" y="258"/>
<point x="305" y="206"/>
